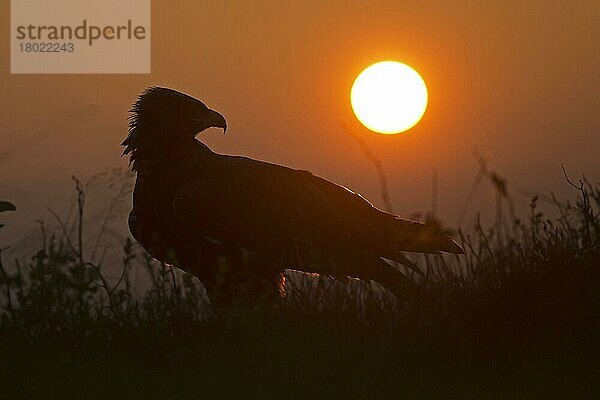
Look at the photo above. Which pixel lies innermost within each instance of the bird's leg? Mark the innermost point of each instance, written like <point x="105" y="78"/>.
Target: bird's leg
<point x="216" y="281"/>
<point x="242" y="280"/>
<point x="216" y="269"/>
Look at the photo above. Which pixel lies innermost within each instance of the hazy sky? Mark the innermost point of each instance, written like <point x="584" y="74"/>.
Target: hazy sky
<point x="517" y="81"/>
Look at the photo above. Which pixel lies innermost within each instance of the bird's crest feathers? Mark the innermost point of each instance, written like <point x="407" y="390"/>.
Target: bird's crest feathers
<point x="161" y="116"/>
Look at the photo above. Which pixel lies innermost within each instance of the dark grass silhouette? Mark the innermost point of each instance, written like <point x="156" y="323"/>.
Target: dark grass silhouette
<point x="517" y="317"/>
<point x="236" y="223"/>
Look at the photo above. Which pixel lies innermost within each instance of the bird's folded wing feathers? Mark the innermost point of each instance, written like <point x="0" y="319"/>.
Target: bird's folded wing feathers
<point x="250" y="198"/>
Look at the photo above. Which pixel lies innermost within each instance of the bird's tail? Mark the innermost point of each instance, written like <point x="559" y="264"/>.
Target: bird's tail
<point x="403" y="236"/>
<point x="412" y="236"/>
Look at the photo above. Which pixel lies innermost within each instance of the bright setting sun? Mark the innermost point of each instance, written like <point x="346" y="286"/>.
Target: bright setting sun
<point x="389" y="97"/>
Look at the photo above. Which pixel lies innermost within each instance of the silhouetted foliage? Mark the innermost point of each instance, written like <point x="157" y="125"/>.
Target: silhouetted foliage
<point x="517" y="316"/>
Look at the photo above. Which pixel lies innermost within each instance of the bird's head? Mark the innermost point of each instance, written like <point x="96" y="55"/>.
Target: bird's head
<point x="173" y="113"/>
<point x="162" y="116"/>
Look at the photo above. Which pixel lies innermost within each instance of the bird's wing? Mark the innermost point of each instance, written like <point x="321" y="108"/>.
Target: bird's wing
<point x="250" y="201"/>
<point x="253" y="203"/>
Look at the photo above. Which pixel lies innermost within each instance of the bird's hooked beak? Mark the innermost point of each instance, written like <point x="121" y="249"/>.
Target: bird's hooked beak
<point x="210" y="119"/>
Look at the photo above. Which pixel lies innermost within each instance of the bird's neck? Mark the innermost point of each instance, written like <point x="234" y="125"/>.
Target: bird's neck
<point x="151" y="155"/>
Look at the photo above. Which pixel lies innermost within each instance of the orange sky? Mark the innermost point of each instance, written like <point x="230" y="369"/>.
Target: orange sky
<point x="518" y="81"/>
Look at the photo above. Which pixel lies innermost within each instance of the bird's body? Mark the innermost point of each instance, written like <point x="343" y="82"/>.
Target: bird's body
<point x="236" y="223"/>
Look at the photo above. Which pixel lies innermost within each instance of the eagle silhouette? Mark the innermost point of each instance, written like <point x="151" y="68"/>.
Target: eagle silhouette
<point x="237" y="223"/>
